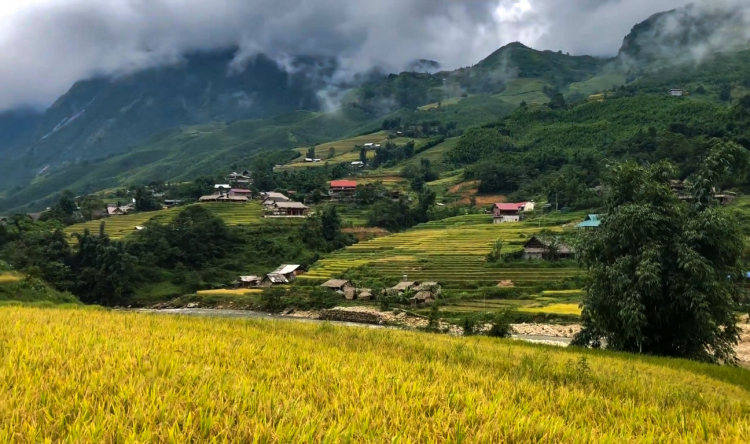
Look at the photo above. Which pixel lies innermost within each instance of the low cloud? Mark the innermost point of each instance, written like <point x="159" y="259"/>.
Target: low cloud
<point x="47" y="45"/>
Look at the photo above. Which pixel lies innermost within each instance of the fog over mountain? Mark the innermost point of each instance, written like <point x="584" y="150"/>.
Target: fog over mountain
<point x="47" y="45"/>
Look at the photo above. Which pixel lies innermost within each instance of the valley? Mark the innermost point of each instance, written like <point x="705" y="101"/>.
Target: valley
<point x="230" y="245"/>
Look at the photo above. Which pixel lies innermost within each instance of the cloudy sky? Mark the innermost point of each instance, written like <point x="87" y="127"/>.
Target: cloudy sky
<point x="46" y="45"/>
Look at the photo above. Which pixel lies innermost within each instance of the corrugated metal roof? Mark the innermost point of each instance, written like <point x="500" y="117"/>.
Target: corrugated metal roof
<point x="286" y="269"/>
<point x="510" y="206"/>
<point x="299" y="205"/>
<point x="277" y="278"/>
<point x="343" y="184"/>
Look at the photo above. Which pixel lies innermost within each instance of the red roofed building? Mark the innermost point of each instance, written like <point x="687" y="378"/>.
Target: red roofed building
<point x="508" y="212"/>
<point x="342" y="189"/>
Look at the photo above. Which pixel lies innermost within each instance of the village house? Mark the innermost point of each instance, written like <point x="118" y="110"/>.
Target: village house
<point x="364" y="294"/>
<point x="679" y="187"/>
<point x="404" y="286"/>
<point x="358" y="164"/>
<point x="591" y="221"/>
<point x="422" y="297"/>
<point x="286" y="209"/>
<point x="427" y="293"/>
<point x="341" y="286"/>
<point x="239" y="179"/>
<point x="223" y="197"/>
<point x="342" y="190"/>
<point x="222" y="187"/>
<point x="169" y="203"/>
<point x="283" y="275"/>
<point x="271" y="197"/>
<point x="508" y="212"/>
<point x="241" y="192"/>
<point x="538" y="249"/>
<point x="115" y="210"/>
<point x="675" y="92"/>
<point x="250" y="282"/>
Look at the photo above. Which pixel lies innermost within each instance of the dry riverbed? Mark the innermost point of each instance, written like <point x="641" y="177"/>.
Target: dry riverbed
<point x="551" y="334"/>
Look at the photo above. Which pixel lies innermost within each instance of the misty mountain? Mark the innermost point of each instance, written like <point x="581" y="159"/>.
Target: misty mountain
<point x="107" y="116"/>
<point x="686" y="34"/>
<point x="185" y="119"/>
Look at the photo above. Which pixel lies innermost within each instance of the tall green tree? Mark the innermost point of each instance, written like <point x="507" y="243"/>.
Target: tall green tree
<point x="665" y="274"/>
<point x="311" y="152"/>
<point x="145" y="201"/>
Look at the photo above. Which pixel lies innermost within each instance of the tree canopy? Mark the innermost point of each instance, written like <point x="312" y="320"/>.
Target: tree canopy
<point x="665" y="273"/>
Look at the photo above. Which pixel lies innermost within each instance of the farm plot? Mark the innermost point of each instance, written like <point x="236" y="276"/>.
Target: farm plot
<point x="121" y="226"/>
<point x="343" y="151"/>
<point x="452" y="251"/>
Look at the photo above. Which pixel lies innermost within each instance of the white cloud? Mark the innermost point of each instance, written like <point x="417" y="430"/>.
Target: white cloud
<point x="46" y="45"/>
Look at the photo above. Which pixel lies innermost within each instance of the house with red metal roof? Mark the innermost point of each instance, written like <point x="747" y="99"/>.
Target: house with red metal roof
<point x="342" y="189"/>
<point x="508" y="212"/>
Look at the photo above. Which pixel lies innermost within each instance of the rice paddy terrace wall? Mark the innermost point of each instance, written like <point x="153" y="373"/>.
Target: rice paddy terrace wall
<point x="451" y="251"/>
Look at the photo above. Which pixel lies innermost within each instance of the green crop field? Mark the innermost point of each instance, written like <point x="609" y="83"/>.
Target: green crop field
<point x="344" y="150"/>
<point x="451" y="251"/>
<point x="118" y="227"/>
<point x="597" y="84"/>
<point x="528" y="90"/>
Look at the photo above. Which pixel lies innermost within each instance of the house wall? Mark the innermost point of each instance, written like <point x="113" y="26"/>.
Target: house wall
<point x="507" y="219"/>
<point x="532" y="256"/>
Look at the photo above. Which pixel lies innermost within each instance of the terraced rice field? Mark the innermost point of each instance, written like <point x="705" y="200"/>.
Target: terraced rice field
<point x="350" y="213"/>
<point x="449" y="251"/>
<point x="237" y="214"/>
<point x="120" y="226"/>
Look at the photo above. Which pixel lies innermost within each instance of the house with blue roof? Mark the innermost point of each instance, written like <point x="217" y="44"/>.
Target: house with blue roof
<point x="591" y="221"/>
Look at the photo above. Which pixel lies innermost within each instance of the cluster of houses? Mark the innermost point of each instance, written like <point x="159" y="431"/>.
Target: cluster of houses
<point x="285" y="274"/>
<point x="225" y="193"/>
<point x="421" y="292"/>
<point x="679" y="188"/>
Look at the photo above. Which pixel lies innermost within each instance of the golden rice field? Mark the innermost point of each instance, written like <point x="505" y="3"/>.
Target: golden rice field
<point x="10" y="278"/>
<point x="229" y="292"/>
<point x="118" y="227"/>
<point x="561" y="309"/>
<point x="104" y="377"/>
<point x="448" y="251"/>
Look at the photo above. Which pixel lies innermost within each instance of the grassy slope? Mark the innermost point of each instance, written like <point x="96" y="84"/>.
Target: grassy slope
<point x="596" y="84"/>
<point x="15" y="288"/>
<point x="187" y="379"/>
<point x="528" y="90"/>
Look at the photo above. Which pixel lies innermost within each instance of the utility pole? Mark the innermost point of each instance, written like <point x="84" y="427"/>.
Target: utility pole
<point x="556" y="201"/>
